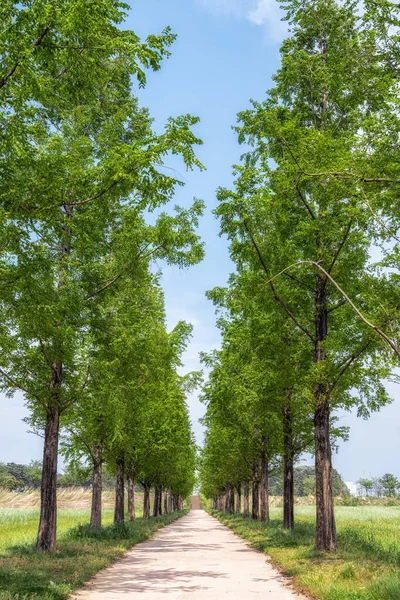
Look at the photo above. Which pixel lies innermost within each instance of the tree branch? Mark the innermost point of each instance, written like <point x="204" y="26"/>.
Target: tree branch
<point x="348" y="175"/>
<point x="308" y="207"/>
<point x="105" y="287"/>
<point x="99" y="195"/>
<point x="82" y="439"/>
<point x="338" y="305"/>
<point x="353" y="306"/>
<point x="21" y="387"/>
<point x="11" y="72"/>
<point x="117" y="277"/>
<point x="273" y="289"/>
<point x="309" y="287"/>
<point x="346" y="366"/>
<point x="342" y="243"/>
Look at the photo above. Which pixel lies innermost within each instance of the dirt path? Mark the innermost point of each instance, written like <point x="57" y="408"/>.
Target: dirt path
<point x="194" y="558"/>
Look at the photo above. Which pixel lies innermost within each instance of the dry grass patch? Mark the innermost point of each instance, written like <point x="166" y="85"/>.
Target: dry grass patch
<point x="67" y="498"/>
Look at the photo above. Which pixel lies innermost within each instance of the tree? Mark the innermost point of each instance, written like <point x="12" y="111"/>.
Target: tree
<point x="378" y="487"/>
<point x="366" y="484"/>
<point x="390" y="484"/>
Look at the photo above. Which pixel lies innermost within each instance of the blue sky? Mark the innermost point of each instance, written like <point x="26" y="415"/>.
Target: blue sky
<point x="226" y="53"/>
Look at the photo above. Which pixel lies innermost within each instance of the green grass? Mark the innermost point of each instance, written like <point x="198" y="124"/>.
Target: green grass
<point x="28" y="575"/>
<point x="366" y="567"/>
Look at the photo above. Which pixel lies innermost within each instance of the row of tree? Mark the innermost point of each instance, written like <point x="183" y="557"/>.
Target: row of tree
<point x="83" y="333"/>
<point x="309" y="321"/>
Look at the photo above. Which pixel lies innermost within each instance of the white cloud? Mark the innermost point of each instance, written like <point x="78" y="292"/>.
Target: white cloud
<point x="265" y="13"/>
<point x="269" y="14"/>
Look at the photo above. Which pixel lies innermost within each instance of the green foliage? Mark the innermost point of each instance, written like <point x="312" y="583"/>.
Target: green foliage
<point x="390" y="484"/>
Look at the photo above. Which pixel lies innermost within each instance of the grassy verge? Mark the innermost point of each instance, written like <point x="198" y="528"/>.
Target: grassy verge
<point x="28" y="575"/>
<point x="366" y="567"/>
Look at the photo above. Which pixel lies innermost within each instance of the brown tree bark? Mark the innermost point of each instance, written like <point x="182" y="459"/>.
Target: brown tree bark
<point x="238" y="498"/>
<point x="131" y="492"/>
<point x="157" y="507"/>
<point x="264" y="481"/>
<point x="170" y="502"/>
<point x="95" y="515"/>
<point x="255" y="493"/>
<point x="155" y="503"/>
<point x="325" y="539"/>
<point x="146" y="502"/>
<point x="246" y="499"/>
<point x="46" y="540"/>
<point x="228" y="500"/>
<point x="119" y="512"/>
<point x="166" y="511"/>
<point x="288" y="471"/>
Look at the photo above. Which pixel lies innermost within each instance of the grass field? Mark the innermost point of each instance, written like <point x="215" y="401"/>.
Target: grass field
<point x="366" y="567"/>
<point x="27" y="575"/>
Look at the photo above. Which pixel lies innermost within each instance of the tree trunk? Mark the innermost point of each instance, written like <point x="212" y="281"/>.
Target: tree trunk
<point x="146" y="502"/>
<point x="325" y="539"/>
<point x="238" y="498"/>
<point x="157" y="502"/>
<point x="131" y="492"/>
<point x="288" y="472"/>
<point x="170" y="502"/>
<point x="246" y="503"/>
<point x="95" y="515"/>
<point x="46" y="540"/>
<point x="119" y="513"/>
<point x="166" y="511"/>
<point x="264" y="482"/>
<point x="255" y="493"/>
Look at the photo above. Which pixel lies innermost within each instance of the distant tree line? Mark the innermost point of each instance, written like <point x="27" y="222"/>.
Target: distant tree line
<point x="18" y="477"/>
<point x="387" y="486"/>
<point x="304" y="483"/>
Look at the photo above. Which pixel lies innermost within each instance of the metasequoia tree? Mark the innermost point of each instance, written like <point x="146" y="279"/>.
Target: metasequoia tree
<point x="307" y="235"/>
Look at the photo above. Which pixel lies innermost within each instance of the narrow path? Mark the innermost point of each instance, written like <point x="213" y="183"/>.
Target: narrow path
<point x="195" y="557"/>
